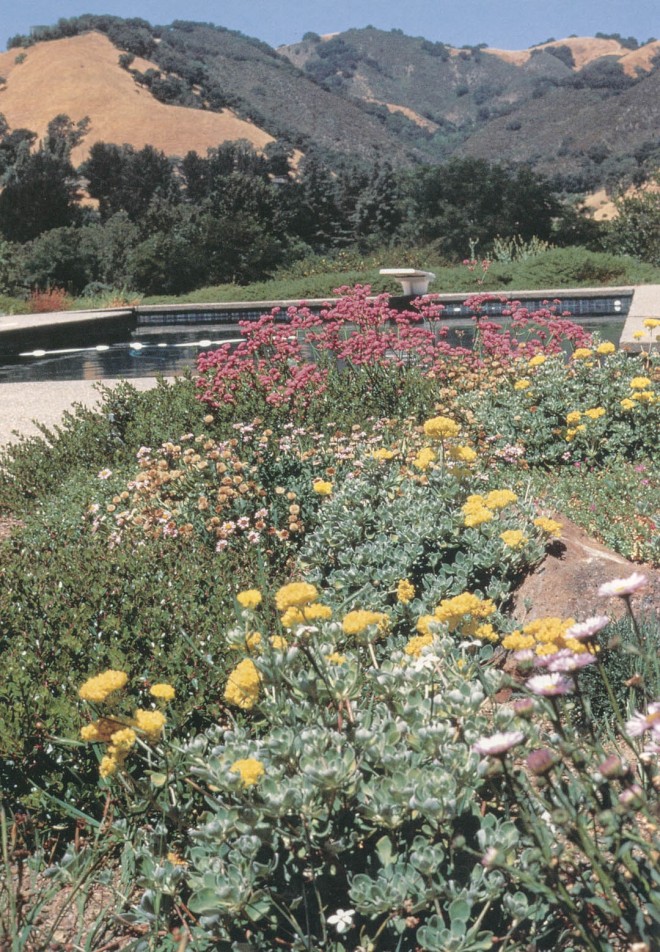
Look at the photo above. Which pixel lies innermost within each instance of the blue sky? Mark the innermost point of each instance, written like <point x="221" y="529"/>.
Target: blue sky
<point x="514" y="24"/>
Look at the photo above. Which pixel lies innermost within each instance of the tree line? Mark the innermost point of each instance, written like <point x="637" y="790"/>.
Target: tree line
<point x="139" y="219"/>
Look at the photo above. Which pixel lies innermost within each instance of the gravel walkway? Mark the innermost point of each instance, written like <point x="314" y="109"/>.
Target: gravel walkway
<point x="23" y="403"/>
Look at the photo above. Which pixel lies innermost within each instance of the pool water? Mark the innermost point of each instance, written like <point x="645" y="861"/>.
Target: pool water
<point x="155" y="349"/>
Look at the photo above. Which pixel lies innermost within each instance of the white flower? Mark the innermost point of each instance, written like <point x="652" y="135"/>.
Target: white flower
<point x="584" y="630"/>
<point x="342" y="920"/>
<point x="623" y="586"/>
<point x="105" y="474"/>
<point x="498" y="744"/>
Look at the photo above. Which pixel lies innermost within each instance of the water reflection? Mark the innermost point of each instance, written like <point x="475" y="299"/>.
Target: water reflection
<point x="171" y="350"/>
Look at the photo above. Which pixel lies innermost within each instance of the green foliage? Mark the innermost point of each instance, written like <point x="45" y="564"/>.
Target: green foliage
<point x="636" y="228"/>
<point x="617" y="505"/>
<point x="532" y="413"/>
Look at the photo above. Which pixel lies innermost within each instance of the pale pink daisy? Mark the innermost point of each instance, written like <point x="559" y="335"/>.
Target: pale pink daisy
<point x="584" y="630"/>
<point x="641" y="723"/>
<point x="498" y="744"/>
<point x="623" y="586"/>
<point x="549" y="685"/>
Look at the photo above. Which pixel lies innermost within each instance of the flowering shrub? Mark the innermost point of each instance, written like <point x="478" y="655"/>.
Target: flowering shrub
<point x="597" y="406"/>
<point x="303" y="363"/>
<point x="46" y="301"/>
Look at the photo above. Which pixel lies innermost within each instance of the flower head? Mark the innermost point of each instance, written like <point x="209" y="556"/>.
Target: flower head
<point x="251" y="770"/>
<point x="513" y="538"/>
<point x="103" y="685"/>
<point x="250" y="598"/>
<point x="498" y="744"/>
<point x="342" y="920"/>
<point x="295" y="594"/>
<point x="355" y="622"/>
<point x="549" y="685"/>
<point x="586" y="630"/>
<point x="405" y="591"/>
<point x="640" y="383"/>
<point x="322" y="487"/>
<point x="150" y="723"/>
<point x="623" y="586"/>
<point x="243" y="684"/>
<point x="607" y="347"/>
<point x="164" y="692"/>
<point x="441" y="427"/>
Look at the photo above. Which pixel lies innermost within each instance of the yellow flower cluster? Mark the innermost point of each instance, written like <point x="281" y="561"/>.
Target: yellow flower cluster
<point x="544" y="636"/>
<point x="322" y="487"/>
<point x="475" y="511"/>
<point x="250" y="770"/>
<point x="581" y="353"/>
<point x="405" y="591"/>
<point x="441" y="428"/>
<point x="573" y="418"/>
<point x="513" y="538"/>
<point x="595" y="413"/>
<point x="295" y="595"/>
<point x="416" y="643"/>
<point x="383" y="454"/>
<point x="242" y="689"/>
<point x="150" y="723"/>
<point x="628" y="404"/>
<point x="100" y="731"/>
<point x="522" y="384"/>
<point x="308" y="613"/>
<point x="462" y="454"/>
<point x="424" y="458"/>
<point x="651" y="322"/>
<point x="499" y="498"/>
<point x="549" y="526"/>
<point x="164" y="692"/>
<point x="640" y="383"/>
<point x="537" y="360"/>
<point x="250" y="598"/>
<point x="355" y="622"/>
<point x="463" y="613"/>
<point x="103" y="685"/>
<point x="607" y="347"/>
<point x="336" y="658"/>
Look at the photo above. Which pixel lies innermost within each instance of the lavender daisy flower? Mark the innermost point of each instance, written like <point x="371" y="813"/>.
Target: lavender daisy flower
<point x="549" y="685"/>
<point x="542" y="761"/>
<point x="498" y="744"/>
<point x="566" y="661"/>
<point x="641" y="723"/>
<point x="623" y="586"/>
<point x="584" y="630"/>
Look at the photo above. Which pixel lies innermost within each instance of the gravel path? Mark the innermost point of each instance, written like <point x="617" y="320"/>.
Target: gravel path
<point x="23" y="403"/>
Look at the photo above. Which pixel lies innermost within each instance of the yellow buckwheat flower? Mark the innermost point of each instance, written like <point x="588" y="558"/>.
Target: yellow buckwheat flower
<point x="537" y="360"/>
<point x="100" y="731"/>
<point x="123" y="740"/>
<point x="640" y="383"/>
<point x="355" y="622"/>
<point x="651" y="322"/>
<point x="295" y="595"/>
<point x="150" y="723"/>
<point x="322" y="487"/>
<point x="581" y="353"/>
<point x="441" y="427"/>
<point x="278" y="643"/>
<point x="164" y="692"/>
<point x="103" y="685"/>
<point x="108" y="766"/>
<point x="243" y="684"/>
<point x="405" y="591"/>
<point x="250" y="598"/>
<point x="522" y="384"/>
<point x="486" y="632"/>
<point x="424" y="458"/>
<point x="607" y="347"/>
<point x="462" y="454"/>
<point x="416" y="643"/>
<point x="513" y="538"/>
<point x="549" y="526"/>
<point x="645" y="396"/>
<point x="499" y="498"/>
<point x="573" y="417"/>
<point x="383" y="454"/>
<point x="251" y="770"/>
<point x="476" y="515"/>
<point x="595" y="413"/>
<point x="336" y="658"/>
<point x="628" y="404"/>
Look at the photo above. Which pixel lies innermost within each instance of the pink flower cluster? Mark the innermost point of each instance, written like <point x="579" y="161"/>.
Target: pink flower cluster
<point x="285" y="361"/>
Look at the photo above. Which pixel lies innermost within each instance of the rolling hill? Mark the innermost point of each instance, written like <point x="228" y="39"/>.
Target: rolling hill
<point x="586" y="109"/>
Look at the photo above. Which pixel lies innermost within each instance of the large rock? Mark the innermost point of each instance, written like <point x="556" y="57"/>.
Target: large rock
<point x="566" y="583"/>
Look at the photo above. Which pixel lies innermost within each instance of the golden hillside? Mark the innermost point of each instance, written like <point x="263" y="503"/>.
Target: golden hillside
<point x="80" y="76"/>
<point x="586" y="49"/>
